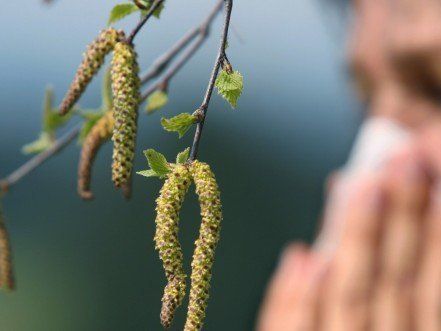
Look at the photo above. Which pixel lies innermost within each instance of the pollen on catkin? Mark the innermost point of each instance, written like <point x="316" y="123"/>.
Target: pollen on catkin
<point x="93" y="59"/>
<point x="7" y="280"/>
<point x="168" y="206"/>
<point x="203" y="257"/>
<point x="126" y="97"/>
<point x="98" y="135"/>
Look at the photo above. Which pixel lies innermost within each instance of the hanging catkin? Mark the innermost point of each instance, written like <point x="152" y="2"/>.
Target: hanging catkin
<point x="98" y="135"/>
<point x="203" y="257"/>
<point x="125" y="86"/>
<point x="168" y="206"/>
<point x="93" y="59"/>
<point x="6" y="268"/>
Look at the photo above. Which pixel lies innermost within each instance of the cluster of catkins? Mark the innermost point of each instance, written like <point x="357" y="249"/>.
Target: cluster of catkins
<point x="167" y="226"/>
<point x="120" y="122"/>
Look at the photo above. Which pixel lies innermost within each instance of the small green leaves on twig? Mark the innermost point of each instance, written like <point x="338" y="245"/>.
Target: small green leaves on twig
<point x="183" y="156"/>
<point x="90" y="119"/>
<point x="124" y="9"/>
<point x="43" y="142"/>
<point x="230" y="86"/>
<point x="121" y="10"/>
<point x="180" y="123"/>
<point x="145" y="6"/>
<point x="159" y="167"/>
<point x="156" y="101"/>
<point x="52" y="121"/>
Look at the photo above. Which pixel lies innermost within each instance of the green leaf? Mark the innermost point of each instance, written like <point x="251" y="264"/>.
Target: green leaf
<point x="48" y="103"/>
<point x="148" y="173"/>
<point x="90" y="114"/>
<point x="52" y="120"/>
<point x="230" y="86"/>
<point x="180" y="123"/>
<point x="91" y="117"/>
<point x="120" y="11"/>
<point x="147" y="4"/>
<point x="157" y="162"/>
<point x="182" y="157"/>
<point x="156" y="101"/>
<point x="43" y="142"/>
<point x="106" y="91"/>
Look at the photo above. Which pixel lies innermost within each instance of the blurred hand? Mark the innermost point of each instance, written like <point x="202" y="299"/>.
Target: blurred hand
<point x="385" y="272"/>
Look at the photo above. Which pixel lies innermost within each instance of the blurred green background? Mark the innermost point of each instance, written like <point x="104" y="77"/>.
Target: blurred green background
<point x="92" y="266"/>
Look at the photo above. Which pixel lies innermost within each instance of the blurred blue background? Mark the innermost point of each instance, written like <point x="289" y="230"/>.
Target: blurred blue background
<point x="92" y="266"/>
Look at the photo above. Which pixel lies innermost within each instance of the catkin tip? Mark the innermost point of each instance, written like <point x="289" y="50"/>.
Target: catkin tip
<point x="127" y="190"/>
<point x="86" y="195"/>
<point x="174" y="293"/>
<point x="168" y="206"/>
<point x="203" y="257"/>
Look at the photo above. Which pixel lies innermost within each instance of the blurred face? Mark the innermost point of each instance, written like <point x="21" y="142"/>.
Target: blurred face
<point x="377" y="63"/>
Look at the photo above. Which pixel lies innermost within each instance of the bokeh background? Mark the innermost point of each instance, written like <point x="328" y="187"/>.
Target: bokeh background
<point x="92" y="266"/>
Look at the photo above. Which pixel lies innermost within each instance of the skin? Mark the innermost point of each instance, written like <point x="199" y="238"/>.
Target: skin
<point x="378" y="80"/>
<point x="415" y="26"/>
<point x="413" y="43"/>
<point x="383" y="270"/>
<point x="385" y="273"/>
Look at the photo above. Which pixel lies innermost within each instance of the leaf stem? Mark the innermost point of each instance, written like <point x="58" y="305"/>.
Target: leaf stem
<point x="220" y="57"/>
<point x="155" y="70"/>
<point x="144" y="20"/>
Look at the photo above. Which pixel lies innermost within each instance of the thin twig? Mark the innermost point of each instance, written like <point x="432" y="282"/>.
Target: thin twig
<point x="163" y="83"/>
<point x="144" y="20"/>
<point x="202" y="30"/>
<point x="39" y="159"/>
<point x="159" y="65"/>
<point x="220" y="57"/>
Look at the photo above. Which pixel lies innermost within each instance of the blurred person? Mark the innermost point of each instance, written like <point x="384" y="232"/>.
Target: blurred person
<point x="376" y="264"/>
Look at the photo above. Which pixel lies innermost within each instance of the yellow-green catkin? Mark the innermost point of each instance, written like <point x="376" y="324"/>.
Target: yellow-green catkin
<point x="93" y="59"/>
<point x="203" y="257"/>
<point x="168" y="206"/>
<point x="126" y="98"/>
<point x="98" y="135"/>
<point x="7" y="280"/>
